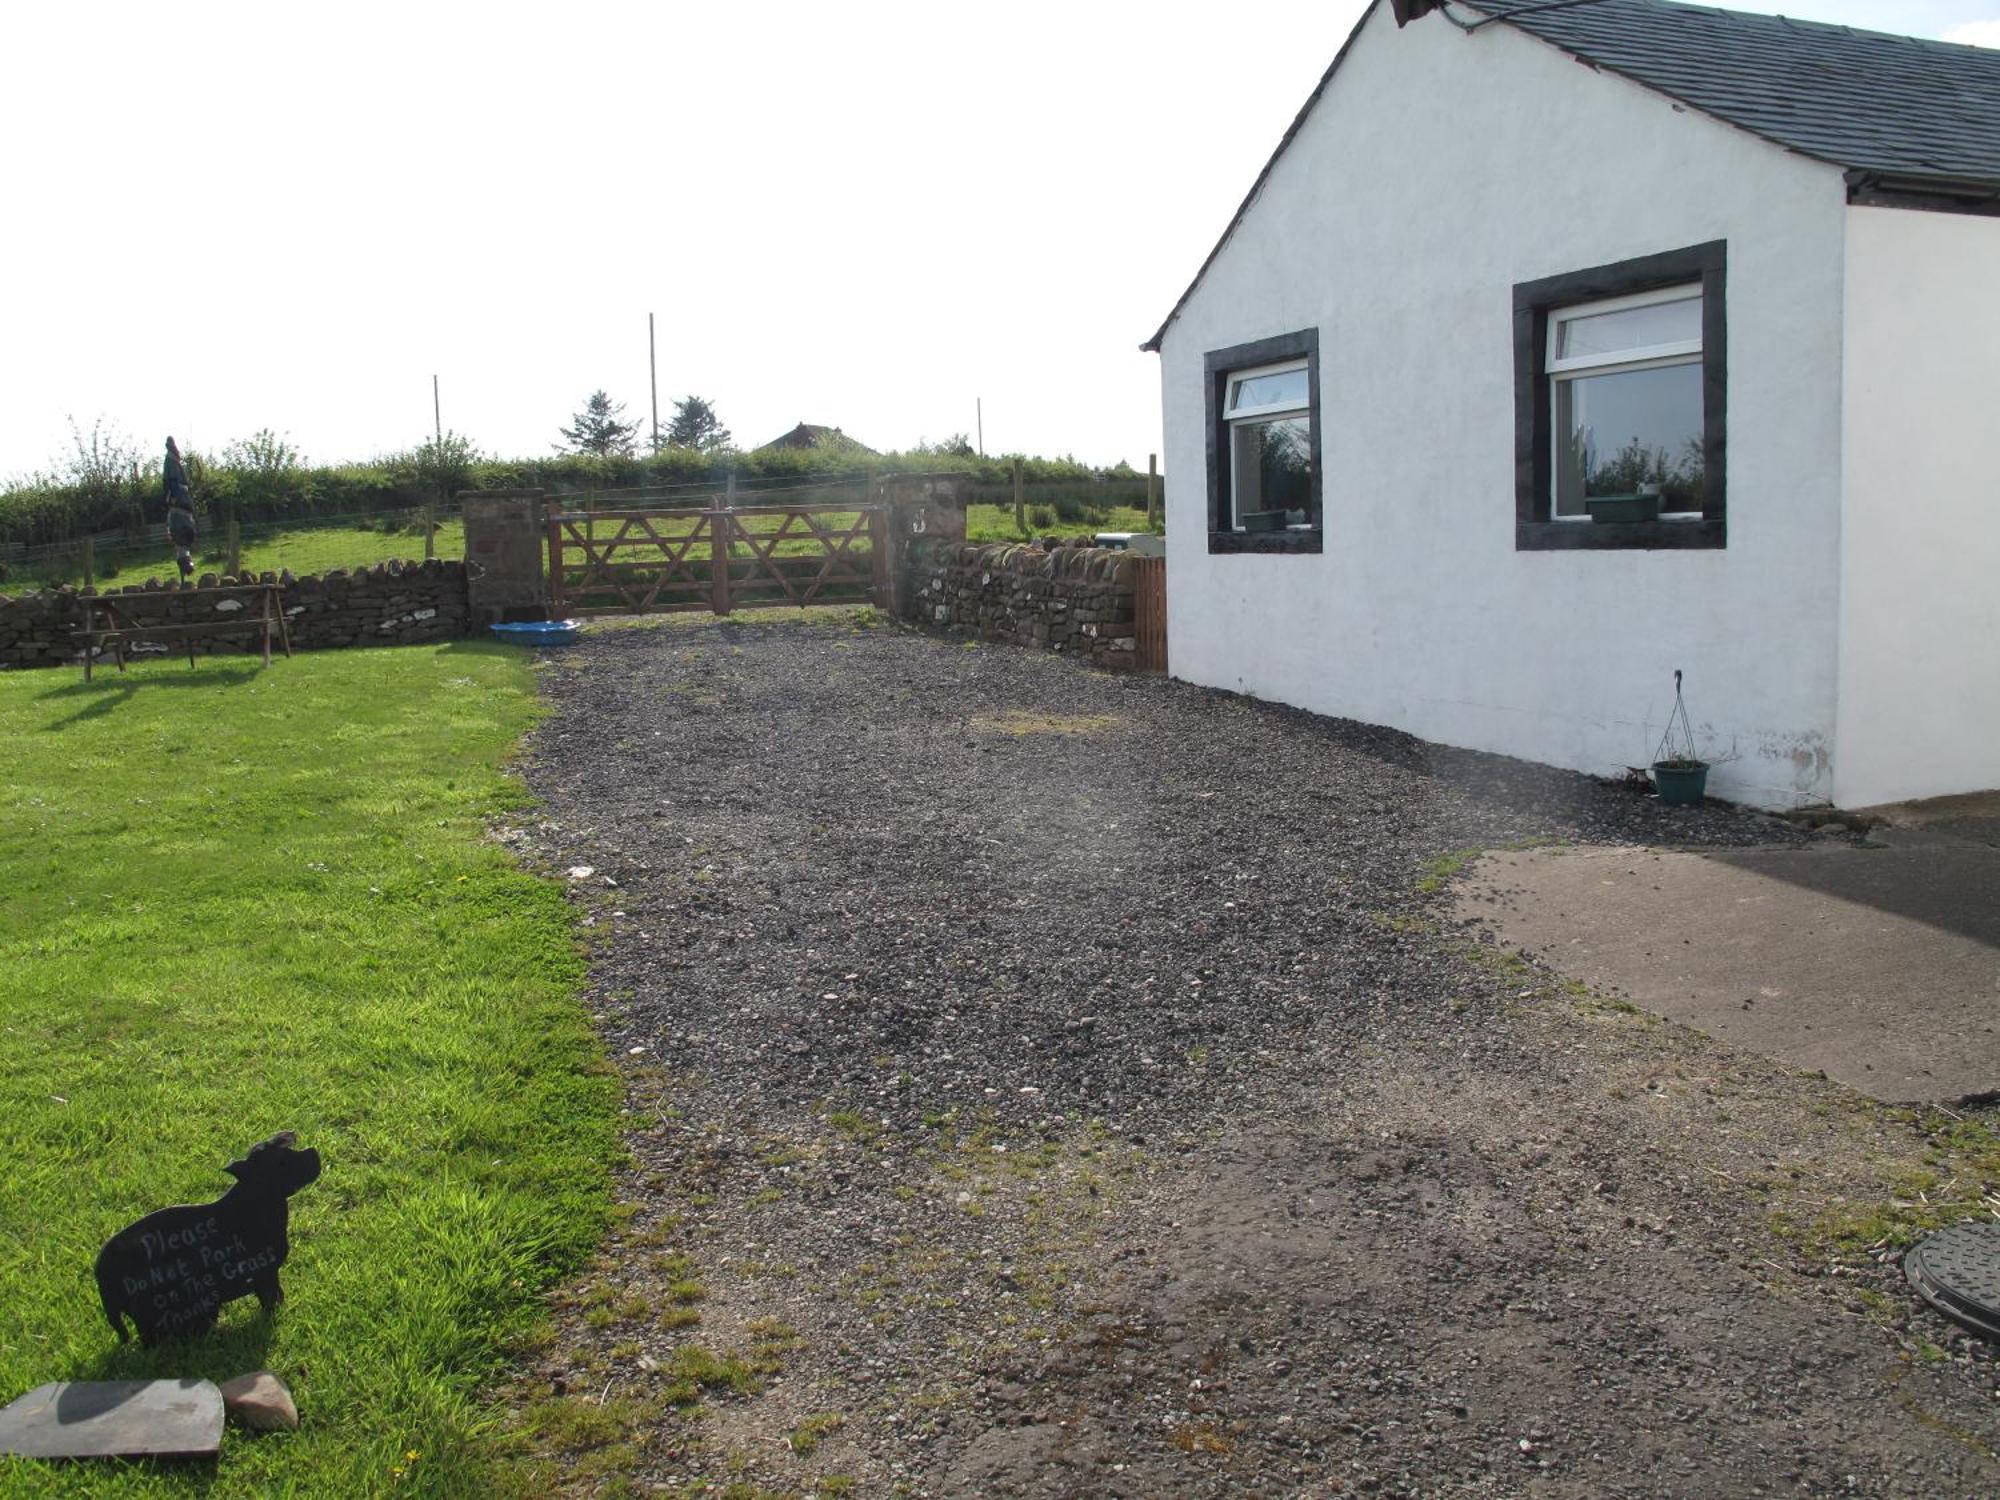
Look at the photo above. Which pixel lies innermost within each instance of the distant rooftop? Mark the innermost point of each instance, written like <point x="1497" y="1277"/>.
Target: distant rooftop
<point x="1919" y="112"/>
<point x="809" y="435"/>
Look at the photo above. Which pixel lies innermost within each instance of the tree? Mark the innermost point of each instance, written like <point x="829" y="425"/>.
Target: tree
<point x="445" y="463"/>
<point x="597" y="429"/>
<point x="107" y="471"/>
<point x="263" y="474"/>
<point x="695" y="425"/>
<point x="263" y="452"/>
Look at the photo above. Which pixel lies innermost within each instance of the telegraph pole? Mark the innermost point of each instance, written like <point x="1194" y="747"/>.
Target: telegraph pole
<point x="653" y="375"/>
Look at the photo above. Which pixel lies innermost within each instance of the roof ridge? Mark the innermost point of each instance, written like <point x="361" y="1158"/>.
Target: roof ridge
<point x="1916" y="124"/>
<point x="1504" y="10"/>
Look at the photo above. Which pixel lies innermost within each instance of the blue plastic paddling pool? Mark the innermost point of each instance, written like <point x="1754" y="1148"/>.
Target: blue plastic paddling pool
<point x="539" y="632"/>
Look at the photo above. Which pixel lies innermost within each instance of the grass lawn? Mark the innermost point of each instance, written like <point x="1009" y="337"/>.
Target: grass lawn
<point x="239" y="901"/>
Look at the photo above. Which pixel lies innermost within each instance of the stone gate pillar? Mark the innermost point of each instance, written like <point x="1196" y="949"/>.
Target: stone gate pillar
<point x="505" y="536"/>
<point x="920" y="505"/>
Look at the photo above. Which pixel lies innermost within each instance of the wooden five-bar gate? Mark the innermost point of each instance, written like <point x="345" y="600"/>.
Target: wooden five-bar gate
<point x="719" y="557"/>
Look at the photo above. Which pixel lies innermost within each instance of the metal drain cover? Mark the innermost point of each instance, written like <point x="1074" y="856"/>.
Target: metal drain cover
<point x="1957" y="1271"/>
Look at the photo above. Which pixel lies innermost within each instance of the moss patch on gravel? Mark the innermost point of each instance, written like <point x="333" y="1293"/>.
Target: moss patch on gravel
<point x="1944" y="1169"/>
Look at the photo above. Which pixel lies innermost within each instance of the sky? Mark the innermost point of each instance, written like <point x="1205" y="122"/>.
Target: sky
<point x="882" y="216"/>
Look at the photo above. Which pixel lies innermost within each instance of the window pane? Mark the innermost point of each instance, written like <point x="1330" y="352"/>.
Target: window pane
<point x="1633" y="328"/>
<point x="1273" y="462"/>
<point x="1618" y="431"/>
<point x="1286" y="388"/>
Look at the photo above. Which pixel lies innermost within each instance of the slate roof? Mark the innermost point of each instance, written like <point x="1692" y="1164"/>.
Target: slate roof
<point x="1923" y="115"/>
<point x="1894" y="105"/>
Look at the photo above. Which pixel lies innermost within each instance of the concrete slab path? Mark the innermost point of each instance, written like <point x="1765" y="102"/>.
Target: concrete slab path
<point x="1878" y="964"/>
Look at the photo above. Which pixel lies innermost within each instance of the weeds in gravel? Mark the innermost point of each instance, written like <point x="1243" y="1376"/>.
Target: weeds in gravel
<point x="1439" y="872"/>
<point x="1404" y="923"/>
<point x="854" y="1125"/>
<point x="1951" y="1174"/>
<point x="694" y="1369"/>
<point x="815" y="1430"/>
<point x="574" y="1424"/>
<point x="1200" y="1437"/>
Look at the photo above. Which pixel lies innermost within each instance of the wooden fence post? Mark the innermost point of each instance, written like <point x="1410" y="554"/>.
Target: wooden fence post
<point x="1152" y="491"/>
<point x="882" y="559"/>
<point x="552" y="515"/>
<point x="233" y="563"/>
<point x="1020" y="501"/>
<point x="719" y="521"/>
<point x="89" y="561"/>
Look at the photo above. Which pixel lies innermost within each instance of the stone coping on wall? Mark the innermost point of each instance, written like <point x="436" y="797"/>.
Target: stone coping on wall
<point x="391" y="603"/>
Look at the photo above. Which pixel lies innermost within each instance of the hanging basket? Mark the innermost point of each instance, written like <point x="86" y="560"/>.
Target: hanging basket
<point x="1679" y="775"/>
<point x="1680" y="783"/>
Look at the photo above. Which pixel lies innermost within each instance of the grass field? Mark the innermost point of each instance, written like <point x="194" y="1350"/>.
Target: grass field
<point x="995" y="523"/>
<point x="243" y="900"/>
<point x="303" y="549"/>
<point x="310" y="549"/>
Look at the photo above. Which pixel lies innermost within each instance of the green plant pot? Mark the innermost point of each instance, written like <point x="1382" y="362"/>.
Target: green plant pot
<point x="1680" y="786"/>
<point x="1264" y="520"/>
<point x="1623" y="510"/>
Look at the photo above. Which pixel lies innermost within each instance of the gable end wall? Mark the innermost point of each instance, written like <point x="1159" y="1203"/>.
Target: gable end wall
<point x="1437" y="172"/>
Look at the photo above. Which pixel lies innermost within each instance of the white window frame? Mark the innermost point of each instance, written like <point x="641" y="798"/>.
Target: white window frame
<point x="1622" y="361"/>
<point x="1234" y="416"/>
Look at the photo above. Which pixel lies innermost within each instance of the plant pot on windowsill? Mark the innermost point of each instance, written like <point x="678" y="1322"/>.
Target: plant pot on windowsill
<point x="1263" y="520"/>
<point x="1681" y="783"/>
<point x="1623" y="510"/>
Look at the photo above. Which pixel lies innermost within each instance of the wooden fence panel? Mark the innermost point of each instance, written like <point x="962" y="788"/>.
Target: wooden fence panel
<point x="1149" y="609"/>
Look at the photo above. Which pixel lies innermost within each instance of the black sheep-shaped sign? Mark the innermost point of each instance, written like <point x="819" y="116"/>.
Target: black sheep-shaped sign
<point x="171" y="1272"/>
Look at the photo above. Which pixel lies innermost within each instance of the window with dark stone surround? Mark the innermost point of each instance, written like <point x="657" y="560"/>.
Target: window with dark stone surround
<point x="1536" y="527"/>
<point x="1225" y="533"/>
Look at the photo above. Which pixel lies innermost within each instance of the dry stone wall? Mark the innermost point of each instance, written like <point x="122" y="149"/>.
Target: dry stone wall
<point x="391" y="604"/>
<point x="1071" y="599"/>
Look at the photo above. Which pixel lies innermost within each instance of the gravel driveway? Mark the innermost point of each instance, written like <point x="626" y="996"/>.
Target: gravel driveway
<point x="1049" y="1083"/>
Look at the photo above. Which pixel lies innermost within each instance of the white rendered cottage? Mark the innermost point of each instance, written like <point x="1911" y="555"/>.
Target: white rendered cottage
<point x="1515" y="256"/>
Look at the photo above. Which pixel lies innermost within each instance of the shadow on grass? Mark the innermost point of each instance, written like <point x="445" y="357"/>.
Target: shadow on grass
<point x="237" y="1346"/>
<point x="102" y="696"/>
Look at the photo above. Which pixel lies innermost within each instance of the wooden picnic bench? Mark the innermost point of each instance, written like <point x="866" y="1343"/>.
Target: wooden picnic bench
<point x="118" y="626"/>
